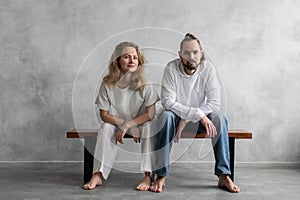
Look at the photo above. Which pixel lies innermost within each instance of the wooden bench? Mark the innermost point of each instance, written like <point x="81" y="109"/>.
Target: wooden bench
<point x="90" y="137"/>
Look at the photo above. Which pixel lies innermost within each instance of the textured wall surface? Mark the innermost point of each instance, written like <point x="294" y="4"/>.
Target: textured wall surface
<point x="45" y="44"/>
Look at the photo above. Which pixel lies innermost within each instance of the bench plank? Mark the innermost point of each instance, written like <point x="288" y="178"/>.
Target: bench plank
<point x="234" y="133"/>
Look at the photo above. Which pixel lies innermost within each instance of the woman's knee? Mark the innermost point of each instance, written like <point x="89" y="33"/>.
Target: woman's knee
<point x="107" y="129"/>
<point x="108" y="126"/>
<point x="148" y="129"/>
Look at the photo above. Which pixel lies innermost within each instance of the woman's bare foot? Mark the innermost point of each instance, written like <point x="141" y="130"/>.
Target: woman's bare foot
<point x="146" y="183"/>
<point x="94" y="182"/>
<point x="226" y="182"/>
<point x="158" y="184"/>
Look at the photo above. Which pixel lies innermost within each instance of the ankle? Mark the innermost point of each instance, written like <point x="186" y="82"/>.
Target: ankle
<point x="161" y="178"/>
<point x="97" y="174"/>
<point x="147" y="174"/>
<point x="224" y="177"/>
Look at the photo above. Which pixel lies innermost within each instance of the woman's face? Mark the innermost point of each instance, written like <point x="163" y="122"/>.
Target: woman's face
<point x="129" y="60"/>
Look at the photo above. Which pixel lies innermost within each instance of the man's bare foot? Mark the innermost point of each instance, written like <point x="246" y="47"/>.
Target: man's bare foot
<point x="145" y="184"/>
<point x="158" y="184"/>
<point x="94" y="182"/>
<point x="226" y="182"/>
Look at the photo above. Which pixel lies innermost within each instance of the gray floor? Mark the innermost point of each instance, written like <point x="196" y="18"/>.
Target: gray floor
<point x="187" y="181"/>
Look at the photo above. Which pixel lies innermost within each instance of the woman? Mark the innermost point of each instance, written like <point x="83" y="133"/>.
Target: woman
<point x="126" y="105"/>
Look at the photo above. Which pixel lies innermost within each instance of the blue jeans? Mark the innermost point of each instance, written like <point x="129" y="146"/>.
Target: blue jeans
<point x="167" y="122"/>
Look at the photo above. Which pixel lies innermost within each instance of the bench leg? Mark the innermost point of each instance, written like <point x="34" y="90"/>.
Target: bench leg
<point x="231" y="150"/>
<point x="89" y="148"/>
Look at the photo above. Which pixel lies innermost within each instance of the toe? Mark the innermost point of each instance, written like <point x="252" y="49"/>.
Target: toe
<point x="142" y="187"/>
<point x="160" y="189"/>
<point x="145" y="189"/>
<point x="86" y="186"/>
<point x="138" y="187"/>
<point x="153" y="188"/>
<point x="237" y="189"/>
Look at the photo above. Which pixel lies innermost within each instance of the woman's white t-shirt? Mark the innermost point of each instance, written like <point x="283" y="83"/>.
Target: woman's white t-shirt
<point x="126" y="103"/>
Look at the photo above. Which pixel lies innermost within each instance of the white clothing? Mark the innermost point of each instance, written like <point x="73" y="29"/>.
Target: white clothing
<point x="191" y="97"/>
<point x="126" y="104"/>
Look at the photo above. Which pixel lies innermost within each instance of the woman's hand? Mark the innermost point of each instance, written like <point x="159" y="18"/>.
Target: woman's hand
<point x="120" y="136"/>
<point x="135" y="132"/>
<point x="120" y="133"/>
<point x="128" y="125"/>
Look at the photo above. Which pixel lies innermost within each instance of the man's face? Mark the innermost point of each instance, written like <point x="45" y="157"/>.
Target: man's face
<point x="190" y="54"/>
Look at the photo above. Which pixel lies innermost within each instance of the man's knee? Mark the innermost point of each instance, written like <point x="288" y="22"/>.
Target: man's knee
<point x="165" y="117"/>
<point x="217" y="118"/>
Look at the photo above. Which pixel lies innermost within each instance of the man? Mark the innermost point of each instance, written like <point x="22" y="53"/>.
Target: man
<point x="191" y="93"/>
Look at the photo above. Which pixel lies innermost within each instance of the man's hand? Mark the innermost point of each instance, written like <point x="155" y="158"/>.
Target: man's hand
<point x="179" y="129"/>
<point x="211" y="130"/>
<point x="135" y="132"/>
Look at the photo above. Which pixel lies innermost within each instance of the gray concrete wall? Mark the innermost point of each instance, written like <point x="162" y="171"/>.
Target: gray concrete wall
<point x="47" y="48"/>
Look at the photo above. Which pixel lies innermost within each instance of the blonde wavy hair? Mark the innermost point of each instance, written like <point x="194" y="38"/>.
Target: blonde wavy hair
<point x="138" y="77"/>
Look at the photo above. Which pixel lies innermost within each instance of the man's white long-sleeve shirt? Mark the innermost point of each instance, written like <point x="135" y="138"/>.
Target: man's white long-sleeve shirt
<point x="191" y="97"/>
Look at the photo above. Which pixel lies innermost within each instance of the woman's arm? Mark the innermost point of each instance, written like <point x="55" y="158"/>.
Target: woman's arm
<point x="108" y="118"/>
<point x="147" y="116"/>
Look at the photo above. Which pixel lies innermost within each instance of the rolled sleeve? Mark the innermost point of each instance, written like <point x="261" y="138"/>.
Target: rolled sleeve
<point x="102" y="100"/>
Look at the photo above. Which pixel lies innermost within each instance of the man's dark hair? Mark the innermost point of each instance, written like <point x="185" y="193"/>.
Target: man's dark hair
<point x="189" y="37"/>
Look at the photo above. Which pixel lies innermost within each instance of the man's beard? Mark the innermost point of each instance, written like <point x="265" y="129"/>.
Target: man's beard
<point x="188" y="65"/>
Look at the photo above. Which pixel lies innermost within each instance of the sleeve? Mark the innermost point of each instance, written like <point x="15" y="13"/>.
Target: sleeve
<point x="102" y="99"/>
<point x="169" y="100"/>
<point x="151" y="95"/>
<point x="212" y="93"/>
